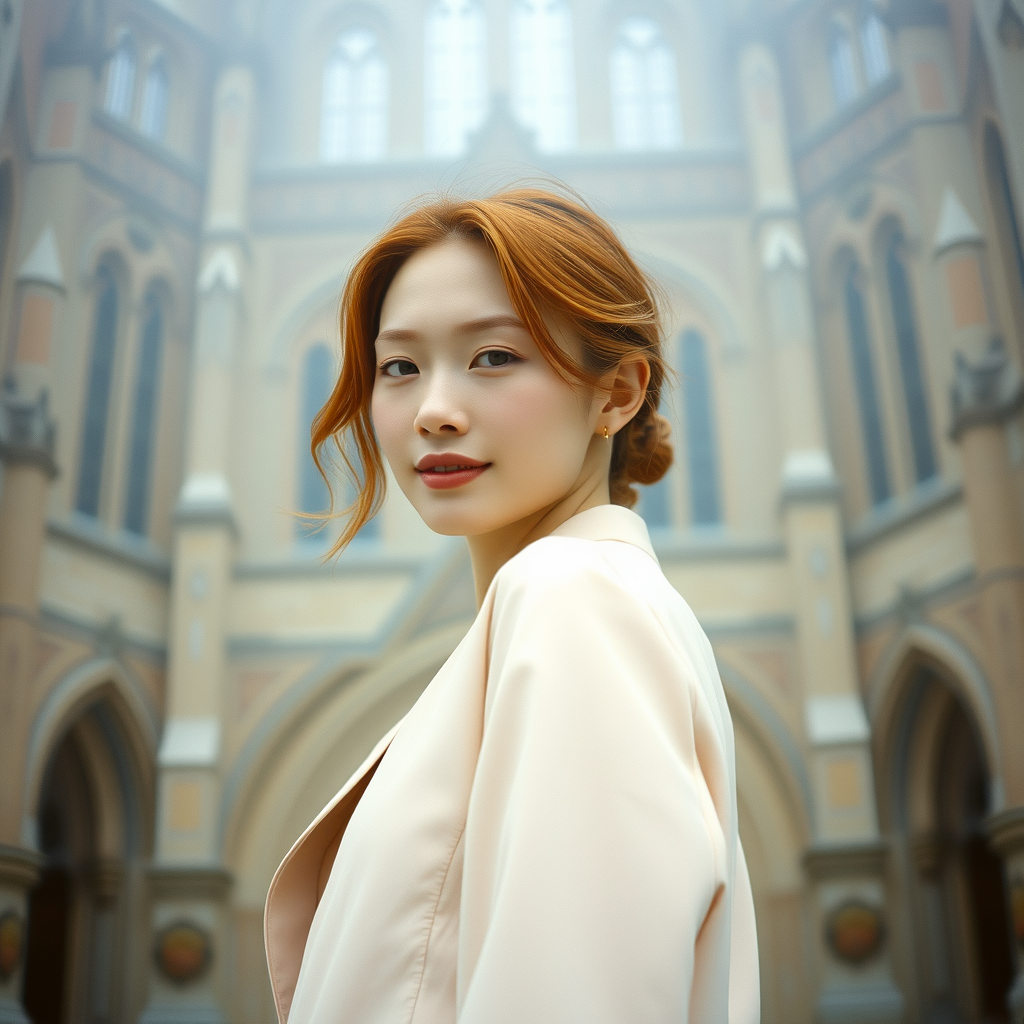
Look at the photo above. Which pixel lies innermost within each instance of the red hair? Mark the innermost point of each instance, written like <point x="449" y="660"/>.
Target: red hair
<point x="556" y="256"/>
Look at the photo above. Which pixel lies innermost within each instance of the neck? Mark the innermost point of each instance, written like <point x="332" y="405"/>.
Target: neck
<point x="490" y="551"/>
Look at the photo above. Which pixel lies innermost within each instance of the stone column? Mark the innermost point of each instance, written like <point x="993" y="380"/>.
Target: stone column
<point x="985" y="394"/>
<point x="189" y="885"/>
<point x="845" y="862"/>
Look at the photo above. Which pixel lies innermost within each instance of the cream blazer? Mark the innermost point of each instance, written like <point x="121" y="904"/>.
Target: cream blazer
<point x="549" y="836"/>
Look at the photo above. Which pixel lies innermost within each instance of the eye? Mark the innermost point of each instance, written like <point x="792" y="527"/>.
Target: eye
<point x="399" y="368"/>
<point x="494" y="357"/>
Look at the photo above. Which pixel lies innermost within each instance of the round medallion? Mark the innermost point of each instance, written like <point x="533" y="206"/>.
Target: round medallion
<point x="183" y="952"/>
<point x="12" y="936"/>
<point x="855" y="932"/>
<point x="1017" y="908"/>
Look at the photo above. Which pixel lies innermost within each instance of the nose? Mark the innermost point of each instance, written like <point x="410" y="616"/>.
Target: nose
<point x="440" y="413"/>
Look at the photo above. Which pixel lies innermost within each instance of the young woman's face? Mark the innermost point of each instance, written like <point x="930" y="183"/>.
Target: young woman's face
<point x="479" y="430"/>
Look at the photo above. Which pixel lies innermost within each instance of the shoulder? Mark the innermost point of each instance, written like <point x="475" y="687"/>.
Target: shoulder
<point x="590" y="582"/>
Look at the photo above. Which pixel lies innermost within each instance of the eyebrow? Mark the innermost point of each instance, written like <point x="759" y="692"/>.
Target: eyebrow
<point x="484" y="323"/>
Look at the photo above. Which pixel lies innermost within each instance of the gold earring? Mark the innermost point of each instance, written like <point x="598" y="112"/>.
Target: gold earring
<point x="606" y="437"/>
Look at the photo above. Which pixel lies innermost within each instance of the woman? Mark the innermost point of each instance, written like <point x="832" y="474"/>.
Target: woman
<point x="549" y="836"/>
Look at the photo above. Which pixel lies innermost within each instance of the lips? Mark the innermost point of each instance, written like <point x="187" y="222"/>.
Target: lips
<point x="445" y="470"/>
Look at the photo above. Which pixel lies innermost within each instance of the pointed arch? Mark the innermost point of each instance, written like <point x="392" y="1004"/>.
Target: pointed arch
<point x="543" y="72"/>
<point x="644" y="88"/>
<point x="354" y="99"/>
<point x="121" y="77"/>
<point x="455" y="67"/>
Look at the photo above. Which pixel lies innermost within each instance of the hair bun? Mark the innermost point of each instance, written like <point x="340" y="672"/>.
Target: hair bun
<point x="645" y="459"/>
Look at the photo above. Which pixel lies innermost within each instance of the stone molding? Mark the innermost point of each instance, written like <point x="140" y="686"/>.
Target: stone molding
<point x="988" y="391"/>
<point x="190" y="881"/>
<point x="27" y="433"/>
<point x="1006" y="831"/>
<point x="845" y="860"/>
<point x="19" y="867"/>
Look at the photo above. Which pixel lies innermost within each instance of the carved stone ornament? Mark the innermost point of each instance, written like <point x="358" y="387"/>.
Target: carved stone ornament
<point x="183" y="952"/>
<point x="855" y="932"/>
<point x="12" y="943"/>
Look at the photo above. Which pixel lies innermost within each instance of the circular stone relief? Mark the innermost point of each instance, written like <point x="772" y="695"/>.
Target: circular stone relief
<point x="855" y="932"/>
<point x="12" y="937"/>
<point x="183" y="952"/>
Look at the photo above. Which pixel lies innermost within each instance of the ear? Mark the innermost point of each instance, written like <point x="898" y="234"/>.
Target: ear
<point x="626" y="387"/>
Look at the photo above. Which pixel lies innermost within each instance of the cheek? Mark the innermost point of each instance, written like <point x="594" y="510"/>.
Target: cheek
<point x="389" y="422"/>
<point x="545" y="425"/>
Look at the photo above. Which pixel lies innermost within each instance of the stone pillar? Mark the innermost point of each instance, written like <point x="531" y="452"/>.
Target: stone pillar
<point x="19" y="869"/>
<point x="985" y="394"/>
<point x="26" y="449"/>
<point x="845" y="863"/>
<point x="189" y="885"/>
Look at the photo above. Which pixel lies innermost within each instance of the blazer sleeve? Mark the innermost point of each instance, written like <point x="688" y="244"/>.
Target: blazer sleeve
<point x="594" y="850"/>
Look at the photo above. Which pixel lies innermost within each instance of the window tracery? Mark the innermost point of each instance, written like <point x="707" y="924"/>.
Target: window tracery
<point x="644" y="88"/>
<point x="456" y="75"/>
<point x="354" y="101"/>
<point x="543" y="72"/>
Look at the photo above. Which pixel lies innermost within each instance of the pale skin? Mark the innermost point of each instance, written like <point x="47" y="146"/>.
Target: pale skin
<point x="458" y="375"/>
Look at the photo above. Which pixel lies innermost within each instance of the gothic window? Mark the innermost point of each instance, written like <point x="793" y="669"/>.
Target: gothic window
<point x="864" y="380"/>
<point x="644" y="87"/>
<point x="97" y="394"/>
<point x="456" y="74"/>
<point x="153" y="121"/>
<point x="354" y="104"/>
<point x="543" y="72"/>
<point x="121" y="78"/>
<point x="701" y="446"/>
<point x="874" y="49"/>
<point x="317" y="380"/>
<point x="144" y="416"/>
<point x="654" y="504"/>
<point x="904" y="322"/>
<point x="1008" y="226"/>
<point x="842" y="66"/>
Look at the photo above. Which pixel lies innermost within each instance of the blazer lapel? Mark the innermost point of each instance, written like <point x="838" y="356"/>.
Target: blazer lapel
<point x="299" y="882"/>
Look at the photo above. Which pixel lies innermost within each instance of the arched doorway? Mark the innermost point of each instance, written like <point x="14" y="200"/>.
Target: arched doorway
<point x="92" y="825"/>
<point x="951" y="881"/>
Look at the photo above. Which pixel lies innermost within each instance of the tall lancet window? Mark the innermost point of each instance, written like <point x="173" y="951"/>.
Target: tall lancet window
<point x="867" y="392"/>
<point x="904" y="322"/>
<point x="543" y="72"/>
<point x="874" y="49"/>
<point x="97" y="394"/>
<point x="841" y="65"/>
<point x="153" y="120"/>
<point x="644" y="87"/>
<point x="701" y="444"/>
<point x="455" y="62"/>
<point x="317" y="380"/>
<point x="121" y="77"/>
<point x="144" y="416"/>
<point x="354" y="104"/>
